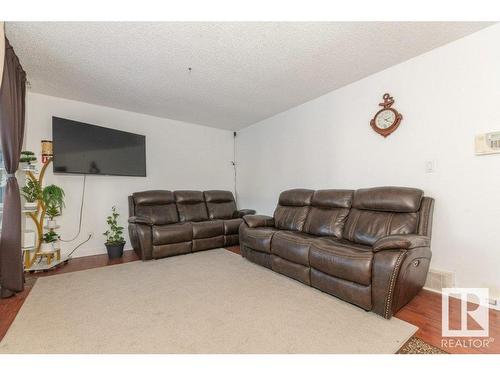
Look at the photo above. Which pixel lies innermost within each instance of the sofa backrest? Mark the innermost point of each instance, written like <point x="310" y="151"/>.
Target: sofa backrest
<point x="220" y="204"/>
<point x="328" y="212"/>
<point x="293" y="207"/>
<point x="381" y="211"/>
<point x="157" y="205"/>
<point x="190" y="205"/>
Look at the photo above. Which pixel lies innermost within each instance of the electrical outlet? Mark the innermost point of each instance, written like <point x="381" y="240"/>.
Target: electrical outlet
<point x="90" y="234"/>
<point x="430" y="166"/>
<point x="494" y="303"/>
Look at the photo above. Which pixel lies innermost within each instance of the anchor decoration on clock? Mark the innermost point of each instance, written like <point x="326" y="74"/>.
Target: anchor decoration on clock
<point x="387" y="119"/>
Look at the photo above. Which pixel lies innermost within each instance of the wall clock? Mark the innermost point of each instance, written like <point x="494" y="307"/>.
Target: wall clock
<point x="387" y="119"/>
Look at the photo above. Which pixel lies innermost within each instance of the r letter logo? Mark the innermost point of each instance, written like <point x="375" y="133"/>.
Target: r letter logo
<point x="477" y="312"/>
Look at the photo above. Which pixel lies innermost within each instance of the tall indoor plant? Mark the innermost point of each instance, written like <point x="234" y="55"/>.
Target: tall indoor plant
<point x="114" y="235"/>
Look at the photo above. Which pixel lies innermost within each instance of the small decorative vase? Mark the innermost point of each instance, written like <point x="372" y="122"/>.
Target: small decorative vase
<point x="51" y="224"/>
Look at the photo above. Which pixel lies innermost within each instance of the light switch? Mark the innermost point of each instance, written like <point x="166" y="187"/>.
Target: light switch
<point x="430" y="166"/>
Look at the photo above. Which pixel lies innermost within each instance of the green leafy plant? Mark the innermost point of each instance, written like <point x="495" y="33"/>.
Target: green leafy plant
<point x="32" y="191"/>
<point x="53" y="196"/>
<point x="27" y="157"/>
<point x="50" y="236"/>
<point x="114" y="235"/>
<point x="52" y="211"/>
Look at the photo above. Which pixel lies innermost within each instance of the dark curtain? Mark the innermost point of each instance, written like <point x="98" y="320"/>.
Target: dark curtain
<point x="12" y="107"/>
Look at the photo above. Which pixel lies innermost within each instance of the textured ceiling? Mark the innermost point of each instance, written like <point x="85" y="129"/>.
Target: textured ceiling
<point x="241" y="72"/>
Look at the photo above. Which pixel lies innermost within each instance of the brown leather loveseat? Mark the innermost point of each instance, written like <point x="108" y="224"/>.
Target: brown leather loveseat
<point x="164" y="223"/>
<point x="370" y="247"/>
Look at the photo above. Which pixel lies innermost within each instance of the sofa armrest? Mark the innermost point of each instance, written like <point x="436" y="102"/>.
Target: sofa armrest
<point x="397" y="276"/>
<point x="140" y="220"/>
<point x="401" y="241"/>
<point x="254" y="221"/>
<point x="243" y="212"/>
<point x="141" y="238"/>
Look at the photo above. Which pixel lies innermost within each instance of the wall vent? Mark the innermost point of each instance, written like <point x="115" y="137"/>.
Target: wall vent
<point x="437" y="280"/>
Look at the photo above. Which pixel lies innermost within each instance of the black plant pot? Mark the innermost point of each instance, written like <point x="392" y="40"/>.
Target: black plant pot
<point x="115" y="251"/>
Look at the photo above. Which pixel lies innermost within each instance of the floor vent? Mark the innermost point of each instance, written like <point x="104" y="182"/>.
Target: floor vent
<point x="437" y="280"/>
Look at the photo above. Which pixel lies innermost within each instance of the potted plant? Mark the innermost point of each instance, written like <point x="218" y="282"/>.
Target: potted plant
<point x="52" y="211"/>
<point x="27" y="158"/>
<point x="53" y="195"/>
<point x="114" y="236"/>
<point x="32" y="192"/>
<point x="53" y="198"/>
<point x="50" y="242"/>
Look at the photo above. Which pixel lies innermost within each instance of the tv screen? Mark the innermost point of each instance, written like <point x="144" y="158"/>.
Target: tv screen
<point x="89" y="149"/>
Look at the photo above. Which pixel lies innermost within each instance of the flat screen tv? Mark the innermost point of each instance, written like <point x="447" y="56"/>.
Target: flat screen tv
<point x="89" y="149"/>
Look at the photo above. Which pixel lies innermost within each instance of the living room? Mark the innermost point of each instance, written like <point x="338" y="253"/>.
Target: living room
<point x="193" y="186"/>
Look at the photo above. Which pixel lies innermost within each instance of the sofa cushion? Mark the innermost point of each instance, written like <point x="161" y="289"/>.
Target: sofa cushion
<point x="382" y="211"/>
<point x="292" y="246"/>
<point x="257" y="238"/>
<point x="342" y="259"/>
<point x="296" y="197"/>
<point x="366" y="227"/>
<point x="190" y="205"/>
<point x="207" y="229"/>
<point x="220" y="204"/>
<point x="174" y="233"/>
<point x="328" y="213"/>
<point x="153" y="197"/>
<point x="232" y="226"/>
<point x="292" y="209"/>
<point x="156" y="205"/>
<point x="389" y="199"/>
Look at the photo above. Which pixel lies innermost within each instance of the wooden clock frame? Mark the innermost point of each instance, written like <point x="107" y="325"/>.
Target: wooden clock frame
<point x="386" y="105"/>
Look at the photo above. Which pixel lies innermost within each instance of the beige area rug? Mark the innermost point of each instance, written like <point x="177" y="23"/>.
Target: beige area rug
<point x="207" y="302"/>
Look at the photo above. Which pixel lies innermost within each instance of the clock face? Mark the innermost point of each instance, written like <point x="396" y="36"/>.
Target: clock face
<point x="385" y="119"/>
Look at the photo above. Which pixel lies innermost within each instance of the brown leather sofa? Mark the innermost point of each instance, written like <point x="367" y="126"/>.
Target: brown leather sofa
<point x="164" y="223"/>
<point x="370" y="247"/>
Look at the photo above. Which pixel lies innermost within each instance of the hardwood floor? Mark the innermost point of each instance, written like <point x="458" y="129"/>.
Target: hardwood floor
<point x="424" y="310"/>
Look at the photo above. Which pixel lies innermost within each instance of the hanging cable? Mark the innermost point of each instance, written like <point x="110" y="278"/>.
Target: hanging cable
<point x="77" y="246"/>
<point x="81" y="212"/>
<point x="80" y="222"/>
<point x="234" y="167"/>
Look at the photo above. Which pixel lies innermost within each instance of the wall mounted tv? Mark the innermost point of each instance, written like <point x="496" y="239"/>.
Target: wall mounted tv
<point x="89" y="149"/>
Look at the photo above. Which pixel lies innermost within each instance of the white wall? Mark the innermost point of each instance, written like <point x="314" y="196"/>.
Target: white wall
<point x="179" y="156"/>
<point x="446" y="96"/>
